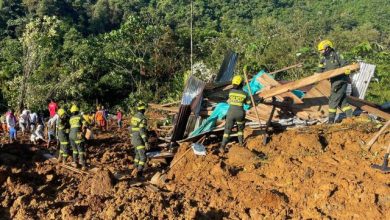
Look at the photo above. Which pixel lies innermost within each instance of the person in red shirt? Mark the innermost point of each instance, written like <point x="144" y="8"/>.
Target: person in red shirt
<point x="53" y="107"/>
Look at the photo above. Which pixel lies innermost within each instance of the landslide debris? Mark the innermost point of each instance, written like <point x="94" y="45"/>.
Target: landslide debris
<point x="312" y="172"/>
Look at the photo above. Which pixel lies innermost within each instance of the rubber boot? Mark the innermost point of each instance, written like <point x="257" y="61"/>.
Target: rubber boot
<point x="82" y="162"/>
<point x="139" y="172"/>
<point x="348" y="113"/>
<point x="386" y="161"/>
<point x="241" y="140"/>
<point x="331" y="118"/>
<point x="74" y="162"/>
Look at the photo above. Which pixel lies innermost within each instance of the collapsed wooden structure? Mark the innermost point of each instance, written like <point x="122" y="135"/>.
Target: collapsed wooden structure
<point x="313" y="105"/>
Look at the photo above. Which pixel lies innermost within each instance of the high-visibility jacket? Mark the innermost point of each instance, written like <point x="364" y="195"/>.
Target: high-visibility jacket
<point x="238" y="98"/>
<point x="77" y="124"/>
<point x="138" y="126"/>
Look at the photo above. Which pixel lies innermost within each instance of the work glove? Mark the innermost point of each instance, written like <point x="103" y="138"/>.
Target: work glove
<point x="147" y="147"/>
<point x="347" y="72"/>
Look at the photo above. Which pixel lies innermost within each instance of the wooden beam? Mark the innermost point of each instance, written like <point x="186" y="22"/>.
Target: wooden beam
<point x="266" y="80"/>
<point x="160" y="107"/>
<point x="368" y="107"/>
<point x="307" y="81"/>
<point x="373" y="139"/>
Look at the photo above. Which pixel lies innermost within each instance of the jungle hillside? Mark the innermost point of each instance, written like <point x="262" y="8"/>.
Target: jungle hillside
<point x="116" y="52"/>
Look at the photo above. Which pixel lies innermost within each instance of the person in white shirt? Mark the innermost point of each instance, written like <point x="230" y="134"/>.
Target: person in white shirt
<point x="24" y="120"/>
<point x="51" y="129"/>
<point x="37" y="135"/>
<point x="33" y="121"/>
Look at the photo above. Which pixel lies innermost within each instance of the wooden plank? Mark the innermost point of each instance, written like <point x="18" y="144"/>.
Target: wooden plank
<point x="307" y="81"/>
<point x="170" y="104"/>
<point x="368" y="107"/>
<point x="267" y="80"/>
<point x="324" y="87"/>
<point x="264" y="112"/>
<point x="160" y="107"/>
<point x="373" y="139"/>
<point x="315" y="101"/>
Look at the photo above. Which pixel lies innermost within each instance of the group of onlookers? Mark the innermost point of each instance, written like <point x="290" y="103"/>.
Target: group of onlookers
<point x="26" y="121"/>
<point x="34" y="123"/>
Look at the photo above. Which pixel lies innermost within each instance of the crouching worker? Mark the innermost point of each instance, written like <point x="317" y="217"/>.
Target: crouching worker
<point x="63" y="133"/>
<point x="138" y="133"/>
<point x="236" y="112"/>
<point x="76" y="137"/>
<point x="37" y="136"/>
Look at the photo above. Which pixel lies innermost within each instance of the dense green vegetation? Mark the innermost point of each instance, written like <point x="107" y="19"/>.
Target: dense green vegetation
<point x="118" y="51"/>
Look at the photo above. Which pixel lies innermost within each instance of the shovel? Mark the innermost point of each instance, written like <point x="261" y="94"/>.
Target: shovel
<point x="384" y="167"/>
<point x="161" y="177"/>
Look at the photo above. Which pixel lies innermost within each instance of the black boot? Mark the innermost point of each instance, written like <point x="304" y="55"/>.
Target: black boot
<point x="349" y="113"/>
<point x="241" y="140"/>
<point x="74" y="162"/>
<point x="386" y="161"/>
<point x="331" y="118"/>
<point x="139" y="172"/>
<point x="82" y="161"/>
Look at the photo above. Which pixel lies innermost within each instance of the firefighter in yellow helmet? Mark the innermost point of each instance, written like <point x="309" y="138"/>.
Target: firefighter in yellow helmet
<point x="63" y="133"/>
<point x="338" y="97"/>
<point x="76" y="137"/>
<point x="139" y="139"/>
<point x="236" y="113"/>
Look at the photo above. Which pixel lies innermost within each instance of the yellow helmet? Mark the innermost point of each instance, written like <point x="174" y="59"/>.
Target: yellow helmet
<point x="237" y="80"/>
<point x="324" y="44"/>
<point x="74" y="108"/>
<point x="61" y="112"/>
<point x="141" y="106"/>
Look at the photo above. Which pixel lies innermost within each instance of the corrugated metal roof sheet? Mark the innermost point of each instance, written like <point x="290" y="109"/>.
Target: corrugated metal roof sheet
<point x="226" y="71"/>
<point x="361" y="79"/>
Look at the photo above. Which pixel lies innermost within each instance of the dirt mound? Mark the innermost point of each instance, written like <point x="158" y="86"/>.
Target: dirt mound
<point x="313" y="172"/>
<point x="227" y="187"/>
<point x="100" y="184"/>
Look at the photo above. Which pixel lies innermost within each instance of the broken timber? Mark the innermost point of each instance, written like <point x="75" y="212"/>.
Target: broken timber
<point x="373" y="139"/>
<point x="307" y="81"/>
<point x="368" y="107"/>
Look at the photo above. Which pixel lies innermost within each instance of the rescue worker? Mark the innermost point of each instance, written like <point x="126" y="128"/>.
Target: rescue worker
<point x="76" y="137"/>
<point x="338" y="97"/>
<point x="138" y="133"/>
<point x="236" y="113"/>
<point x="63" y="127"/>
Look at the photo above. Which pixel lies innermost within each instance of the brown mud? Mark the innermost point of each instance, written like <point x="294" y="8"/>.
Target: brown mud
<point x="313" y="172"/>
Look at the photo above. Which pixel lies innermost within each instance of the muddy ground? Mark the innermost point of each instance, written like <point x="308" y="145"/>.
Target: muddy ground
<point x="313" y="172"/>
